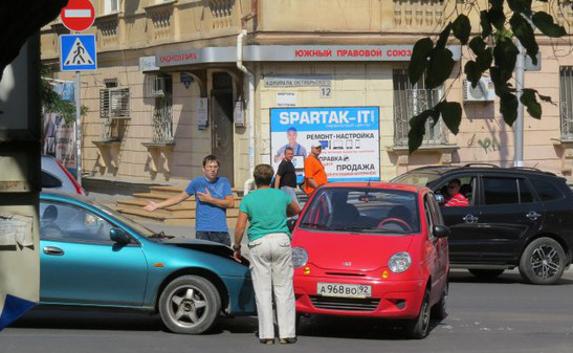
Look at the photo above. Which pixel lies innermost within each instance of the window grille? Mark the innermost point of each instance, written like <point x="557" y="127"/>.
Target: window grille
<point x="113" y="108"/>
<point x="114" y="103"/>
<point x="566" y="102"/>
<point x="163" y="119"/>
<point x="162" y="89"/>
<point x="410" y="101"/>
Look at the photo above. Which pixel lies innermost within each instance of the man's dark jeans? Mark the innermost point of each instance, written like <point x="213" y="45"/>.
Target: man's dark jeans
<point x="219" y="237"/>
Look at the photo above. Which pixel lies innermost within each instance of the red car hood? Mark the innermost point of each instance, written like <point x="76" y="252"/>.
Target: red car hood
<point x="350" y="251"/>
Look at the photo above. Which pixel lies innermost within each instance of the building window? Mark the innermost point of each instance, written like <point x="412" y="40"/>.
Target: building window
<point x="114" y="102"/>
<point x="160" y="87"/>
<point x="411" y="100"/>
<point x="566" y="102"/>
<point x="114" y="110"/>
<point x="111" y="6"/>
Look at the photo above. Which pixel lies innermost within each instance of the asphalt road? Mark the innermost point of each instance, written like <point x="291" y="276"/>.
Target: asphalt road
<point x="502" y="316"/>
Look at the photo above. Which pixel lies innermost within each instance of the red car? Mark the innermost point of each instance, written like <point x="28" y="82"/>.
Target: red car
<point x="372" y="250"/>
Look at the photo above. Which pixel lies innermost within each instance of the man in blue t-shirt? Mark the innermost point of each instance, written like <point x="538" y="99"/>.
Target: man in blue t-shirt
<point x="213" y="196"/>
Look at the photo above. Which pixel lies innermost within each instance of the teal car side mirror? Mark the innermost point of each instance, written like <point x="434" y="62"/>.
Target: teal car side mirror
<point x="119" y="236"/>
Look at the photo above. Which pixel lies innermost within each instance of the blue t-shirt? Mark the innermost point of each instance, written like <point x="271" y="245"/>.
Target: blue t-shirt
<point x="210" y="218"/>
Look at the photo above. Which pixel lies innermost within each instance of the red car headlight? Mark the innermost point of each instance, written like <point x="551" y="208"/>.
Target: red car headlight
<point x="299" y="257"/>
<point x="399" y="262"/>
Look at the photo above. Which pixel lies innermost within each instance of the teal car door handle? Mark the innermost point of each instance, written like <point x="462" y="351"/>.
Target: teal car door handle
<point x="52" y="250"/>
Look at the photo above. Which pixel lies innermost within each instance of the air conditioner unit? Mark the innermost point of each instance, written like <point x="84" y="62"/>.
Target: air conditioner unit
<point x="483" y="92"/>
<point x="114" y="103"/>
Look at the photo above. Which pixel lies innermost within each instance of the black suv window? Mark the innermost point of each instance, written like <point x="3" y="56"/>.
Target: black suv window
<point x="525" y="195"/>
<point x="499" y="191"/>
<point x="546" y="190"/>
<point x="467" y="187"/>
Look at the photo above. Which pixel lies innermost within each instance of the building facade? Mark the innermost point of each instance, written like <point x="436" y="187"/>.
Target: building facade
<point x="177" y="80"/>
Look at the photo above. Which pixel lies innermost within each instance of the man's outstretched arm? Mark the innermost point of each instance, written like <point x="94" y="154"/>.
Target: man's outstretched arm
<point x="174" y="200"/>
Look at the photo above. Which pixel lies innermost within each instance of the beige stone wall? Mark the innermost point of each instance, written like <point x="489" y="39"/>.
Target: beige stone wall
<point x="352" y="16"/>
<point x="129" y="158"/>
<point x="141" y="29"/>
<point x="483" y="137"/>
<point x="151" y="23"/>
<point x="191" y="144"/>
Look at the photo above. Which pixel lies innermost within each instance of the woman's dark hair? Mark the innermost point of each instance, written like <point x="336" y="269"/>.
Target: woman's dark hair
<point x="263" y="174"/>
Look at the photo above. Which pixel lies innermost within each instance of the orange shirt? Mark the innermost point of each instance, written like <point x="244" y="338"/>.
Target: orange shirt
<point x="314" y="169"/>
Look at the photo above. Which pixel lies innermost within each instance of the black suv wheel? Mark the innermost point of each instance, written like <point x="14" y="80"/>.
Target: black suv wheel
<point x="543" y="261"/>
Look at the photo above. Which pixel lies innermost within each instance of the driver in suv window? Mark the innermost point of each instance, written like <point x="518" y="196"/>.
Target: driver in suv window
<point x="454" y="197"/>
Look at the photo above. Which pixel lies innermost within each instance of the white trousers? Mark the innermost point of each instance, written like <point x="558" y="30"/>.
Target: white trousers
<point x="272" y="272"/>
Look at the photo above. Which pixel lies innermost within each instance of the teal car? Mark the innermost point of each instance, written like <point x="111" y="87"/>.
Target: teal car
<point x="92" y="256"/>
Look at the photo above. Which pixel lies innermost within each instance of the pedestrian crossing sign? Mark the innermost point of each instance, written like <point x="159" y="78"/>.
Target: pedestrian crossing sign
<point x="78" y="52"/>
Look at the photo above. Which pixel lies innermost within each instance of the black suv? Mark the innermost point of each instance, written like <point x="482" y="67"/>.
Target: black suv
<point x="516" y="217"/>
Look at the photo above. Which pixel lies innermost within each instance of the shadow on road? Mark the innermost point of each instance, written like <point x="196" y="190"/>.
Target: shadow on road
<point x="315" y="326"/>
<point x="78" y="319"/>
<point x="462" y="276"/>
<point x="359" y="328"/>
<point x="88" y="320"/>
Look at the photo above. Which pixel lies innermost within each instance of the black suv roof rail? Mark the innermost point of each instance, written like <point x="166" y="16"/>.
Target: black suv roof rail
<point x="480" y="164"/>
<point x="534" y="170"/>
<point x="434" y="167"/>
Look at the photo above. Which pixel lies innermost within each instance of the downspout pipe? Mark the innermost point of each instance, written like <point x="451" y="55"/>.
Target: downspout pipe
<point x="250" y="108"/>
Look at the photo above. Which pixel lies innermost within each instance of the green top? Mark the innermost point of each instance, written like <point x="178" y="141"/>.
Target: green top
<point x="267" y="212"/>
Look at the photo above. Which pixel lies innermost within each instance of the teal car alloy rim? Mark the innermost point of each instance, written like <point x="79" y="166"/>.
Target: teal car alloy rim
<point x="188" y="306"/>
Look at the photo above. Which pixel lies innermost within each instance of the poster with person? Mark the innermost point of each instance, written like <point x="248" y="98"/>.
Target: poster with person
<point x="350" y="139"/>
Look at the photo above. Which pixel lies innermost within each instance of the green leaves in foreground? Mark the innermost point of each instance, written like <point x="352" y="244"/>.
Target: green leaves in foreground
<point x="495" y="51"/>
<point x="530" y="101"/>
<point x="451" y="114"/>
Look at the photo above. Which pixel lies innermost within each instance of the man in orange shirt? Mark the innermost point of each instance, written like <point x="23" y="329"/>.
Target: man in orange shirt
<point x="314" y="174"/>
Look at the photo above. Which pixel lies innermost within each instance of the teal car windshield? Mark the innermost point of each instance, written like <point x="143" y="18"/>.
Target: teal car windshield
<point x="363" y="210"/>
<point x="142" y="230"/>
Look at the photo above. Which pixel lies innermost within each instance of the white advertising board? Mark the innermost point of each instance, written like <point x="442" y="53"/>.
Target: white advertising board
<point x="349" y="136"/>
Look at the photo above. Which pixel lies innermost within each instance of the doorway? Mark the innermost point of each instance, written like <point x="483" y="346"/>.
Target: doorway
<point x="222" y="130"/>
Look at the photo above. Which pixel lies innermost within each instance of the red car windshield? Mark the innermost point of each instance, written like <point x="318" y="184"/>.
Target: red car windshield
<point x="363" y="210"/>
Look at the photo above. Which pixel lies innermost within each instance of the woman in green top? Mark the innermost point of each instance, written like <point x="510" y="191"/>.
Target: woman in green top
<point x="266" y="210"/>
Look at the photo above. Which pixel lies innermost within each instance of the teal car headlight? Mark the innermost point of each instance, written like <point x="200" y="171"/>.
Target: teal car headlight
<point x="399" y="262"/>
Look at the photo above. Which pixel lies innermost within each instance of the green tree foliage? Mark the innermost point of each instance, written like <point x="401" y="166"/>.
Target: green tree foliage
<point x="495" y="51"/>
<point x="53" y="103"/>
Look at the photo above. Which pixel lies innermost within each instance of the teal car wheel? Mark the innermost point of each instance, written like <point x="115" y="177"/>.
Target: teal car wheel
<point x="189" y="304"/>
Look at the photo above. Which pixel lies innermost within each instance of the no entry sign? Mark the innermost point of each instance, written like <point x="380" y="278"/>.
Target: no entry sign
<point x="78" y="15"/>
